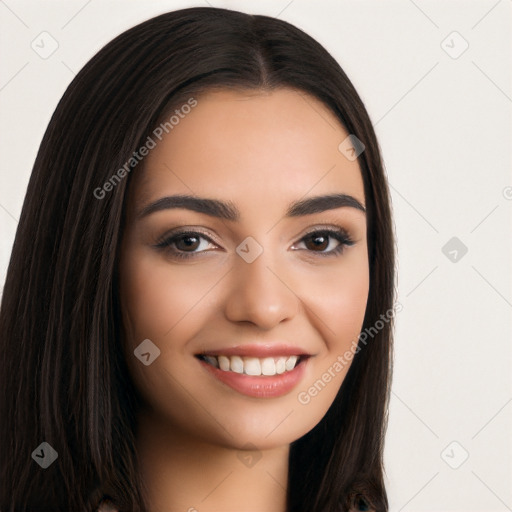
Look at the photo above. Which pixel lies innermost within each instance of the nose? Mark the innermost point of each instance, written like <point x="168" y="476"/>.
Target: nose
<point x="260" y="295"/>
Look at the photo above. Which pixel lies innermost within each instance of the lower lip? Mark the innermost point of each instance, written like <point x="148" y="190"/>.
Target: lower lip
<point x="264" y="386"/>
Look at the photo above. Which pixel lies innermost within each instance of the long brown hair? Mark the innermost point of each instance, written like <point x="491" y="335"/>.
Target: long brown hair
<point x="62" y="375"/>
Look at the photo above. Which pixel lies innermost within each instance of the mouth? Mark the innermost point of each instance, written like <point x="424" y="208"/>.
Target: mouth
<point x="259" y="370"/>
<point x="254" y="366"/>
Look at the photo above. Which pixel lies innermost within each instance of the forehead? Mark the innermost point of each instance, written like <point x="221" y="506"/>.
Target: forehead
<point x="254" y="148"/>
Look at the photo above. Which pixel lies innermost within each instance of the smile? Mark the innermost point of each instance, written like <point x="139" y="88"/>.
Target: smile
<point x="266" y="377"/>
<point x="254" y="366"/>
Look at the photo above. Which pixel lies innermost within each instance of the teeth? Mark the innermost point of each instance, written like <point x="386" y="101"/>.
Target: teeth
<point x="290" y="362"/>
<point x="281" y="365"/>
<point x="224" y="363"/>
<point x="268" y="367"/>
<point x="253" y="365"/>
<point x="237" y="364"/>
<point x="212" y="360"/>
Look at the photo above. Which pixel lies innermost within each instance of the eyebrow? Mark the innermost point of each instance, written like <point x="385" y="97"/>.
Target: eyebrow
<point x="229" y="211"/>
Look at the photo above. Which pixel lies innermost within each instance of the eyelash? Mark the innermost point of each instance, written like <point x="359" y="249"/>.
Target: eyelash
<point x="341" y="235"/>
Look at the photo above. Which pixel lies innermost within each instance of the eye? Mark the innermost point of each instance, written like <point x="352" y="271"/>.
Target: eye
<point x="320" y="240"/>
<point x="185" y="244"/>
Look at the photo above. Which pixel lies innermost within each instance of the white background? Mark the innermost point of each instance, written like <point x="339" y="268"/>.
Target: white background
<point x="444" y="125"/>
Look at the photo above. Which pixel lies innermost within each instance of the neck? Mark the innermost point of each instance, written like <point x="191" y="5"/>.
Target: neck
<point x="185" y="474"/>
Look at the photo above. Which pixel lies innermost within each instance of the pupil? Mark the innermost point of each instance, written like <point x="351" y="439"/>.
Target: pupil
<point x="186" y="241"/>
<point x="320" y="242"/>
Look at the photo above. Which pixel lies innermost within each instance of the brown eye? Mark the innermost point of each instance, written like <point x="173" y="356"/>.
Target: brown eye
<point x="327" y="242"/>
<point x="187" y="242"/>
<point x="317" y="242"/>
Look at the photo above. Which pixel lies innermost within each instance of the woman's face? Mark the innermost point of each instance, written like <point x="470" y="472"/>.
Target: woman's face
<point x="253" y="283"/>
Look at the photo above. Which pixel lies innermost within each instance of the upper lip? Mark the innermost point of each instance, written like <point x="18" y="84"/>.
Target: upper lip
<point x="257" y="350"/>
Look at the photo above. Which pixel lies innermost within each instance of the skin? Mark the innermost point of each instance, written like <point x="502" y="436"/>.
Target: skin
<point x="261" y="151"/>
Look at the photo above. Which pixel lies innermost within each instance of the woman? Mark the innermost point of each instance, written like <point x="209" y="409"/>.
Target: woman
<point x="205" y="234"/>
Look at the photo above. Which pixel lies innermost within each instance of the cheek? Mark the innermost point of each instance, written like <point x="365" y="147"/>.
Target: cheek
<point x="337" y="302"/>
<point x="336" y="305"/>
<point x="156" y="296"/>
<point x="347" y="308"/>
<point x="165" y="304"/>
